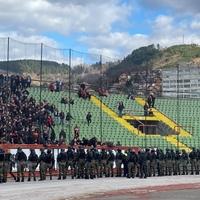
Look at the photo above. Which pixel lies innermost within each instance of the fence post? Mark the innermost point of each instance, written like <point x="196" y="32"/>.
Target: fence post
<point x="7" y="83"/>
<point x="69" y="90"/>
<point x="101" y="111"/>
<point x="178" y="106"/>
<point x="41" y="58"/>
<point x="8" y="57"/>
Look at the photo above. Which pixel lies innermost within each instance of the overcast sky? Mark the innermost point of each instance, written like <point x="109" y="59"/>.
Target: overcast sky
<point x="109" y="27"/>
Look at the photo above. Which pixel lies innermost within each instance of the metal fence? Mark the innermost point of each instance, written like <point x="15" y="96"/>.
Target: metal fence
<point x="68" y="69"/>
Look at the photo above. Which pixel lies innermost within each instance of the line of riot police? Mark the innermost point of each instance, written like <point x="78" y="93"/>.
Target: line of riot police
<point x="93" y="163"/>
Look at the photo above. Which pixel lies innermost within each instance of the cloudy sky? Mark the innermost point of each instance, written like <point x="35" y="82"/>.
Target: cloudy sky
<point x="109" y="27"/>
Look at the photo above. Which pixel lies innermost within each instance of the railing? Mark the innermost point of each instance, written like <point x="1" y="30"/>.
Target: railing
<point x="144" y="129"/>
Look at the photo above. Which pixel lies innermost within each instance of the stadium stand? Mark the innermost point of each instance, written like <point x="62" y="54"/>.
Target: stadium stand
<point x="186" y="113"/>
<point x="112" y="131"/>
<point x="106" y="124"/>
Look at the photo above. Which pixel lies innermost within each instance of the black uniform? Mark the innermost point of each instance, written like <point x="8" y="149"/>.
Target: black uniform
<point x="118" y="160"/>
<point x="50" y="162"/>
<point x="9" y="163"/>
<point x="184" y="161"/>
<point x="193" y="160"/>
<point x="110" y="164"/>
<point x="132" y="159"/>
<point x="62" y="162"/>
<point x="2" y="157"/>
<point x="153" y="163"/>
<point x="81" y="162"/>
<point x="142" y="160"/>
<point x="160" y="162"/>
<point x="21" y="159"/>
<point x="71" y="161"/>
<point x="32" y="164"/>
<point x="42" y="162"/>
<point x="125" y="163"/>
<point x="89" y="173"/>
<point x="177" y="163"/>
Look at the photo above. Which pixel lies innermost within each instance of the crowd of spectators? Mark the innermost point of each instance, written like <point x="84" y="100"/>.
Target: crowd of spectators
<point x="56" y="86"/>
<point x="25" y="121"/>
<point x="83" y="92"/>
<point x="22" y="119"/>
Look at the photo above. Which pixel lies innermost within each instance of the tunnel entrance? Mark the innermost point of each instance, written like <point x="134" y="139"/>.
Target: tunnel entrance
<point x="153" y="127"/>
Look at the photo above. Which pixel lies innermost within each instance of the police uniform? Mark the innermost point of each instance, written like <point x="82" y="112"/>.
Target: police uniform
<point x="142" y="160"/>
<point x="2" y="156"/>
<point x="177" y="163"/>
<point x="132" y="164"/>
<point x="184" y="162"/>
<point x="49" y="162"/>
<point x="148" y="154"/>
<point x="71" y="162"/>
<point x="160" y="162"/>
<point x="193" y="158"/>
<point x="81" y="162"/>
<point x="153" y="163"/>
<point x="103" y="162"/>
<point x="42" y="167"/>
<point x="118" y="159"/>
<point x="62" y="161"/>
<point x="110" y="163"/>
<point x="88" y="165"/>
<point x="168" y="162"/>
<point x="198" y="161"/>
<point x="32" y="164"/>
<point x="8" y="165"/>
<point x="20" y="159"/>
<point x="96" y="162"/>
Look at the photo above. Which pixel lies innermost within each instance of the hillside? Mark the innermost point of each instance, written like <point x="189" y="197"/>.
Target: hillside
<point x="151" y="57"/>
<point x="148" y="58"/>
<point x="33" y="67"/>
